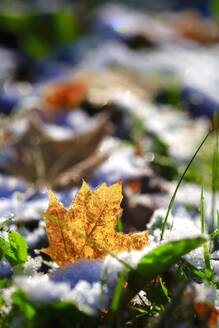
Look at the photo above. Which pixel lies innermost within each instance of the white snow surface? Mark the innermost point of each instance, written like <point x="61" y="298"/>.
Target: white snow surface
<point x="178" y="227"/>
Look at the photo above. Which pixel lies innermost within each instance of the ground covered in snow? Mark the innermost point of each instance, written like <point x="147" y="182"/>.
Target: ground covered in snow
<point x="131" y="98"/>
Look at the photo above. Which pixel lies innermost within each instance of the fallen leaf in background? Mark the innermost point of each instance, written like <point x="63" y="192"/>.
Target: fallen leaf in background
<point x="93" y="214"/>
<point x="97" y="88"/>
<point x="111" y="83"/>
<point x="62" y="95"/>
<point x="42" y="158"/>
<point x="83" y="169"/>
<point x="191" y="25"/>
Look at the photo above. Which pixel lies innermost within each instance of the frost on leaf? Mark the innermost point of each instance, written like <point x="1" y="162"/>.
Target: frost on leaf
<point x="94" y="215"/>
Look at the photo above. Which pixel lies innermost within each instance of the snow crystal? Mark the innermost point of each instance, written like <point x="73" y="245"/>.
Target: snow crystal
<point x="141" y="299"/>
<point x="215" y="255"/>
<point x="33" y="238"/>
<point x="178" y="228"/>
<point x="40" y="288"/>
<point x="215" y="269"/>
<point x="204" y="292"/>
<point x="32" y="265"/>
<point x="75" y="280"/>
<point x="86" y="274"/>
<point x="190" y="193"/>
<point x="5" y="268"/>
<point x="91" y="271"/>
<point x="78" y="119"/>
<point x="217" y="300"/>
<point x="6" y="293"/>
<point x="87" y="296"/>
<point x="57" y="132"/>
<point x="4" y="235"/>
<point x="121" y="164"/>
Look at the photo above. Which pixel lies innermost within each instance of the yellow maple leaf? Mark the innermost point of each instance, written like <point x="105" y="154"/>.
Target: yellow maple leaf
<point x="94" y="216"/>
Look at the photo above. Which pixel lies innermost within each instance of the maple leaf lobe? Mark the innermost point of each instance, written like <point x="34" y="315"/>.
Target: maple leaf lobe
<point x="88" y="224"/>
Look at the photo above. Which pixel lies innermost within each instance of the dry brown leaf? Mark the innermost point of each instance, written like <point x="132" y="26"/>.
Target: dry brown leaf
<point x="122" y="81"/>
<point x="191" y="25"/>
<point x="62" y="95"/>
<point x="82" y="169"/>
<point x="94" y="214"/>
<point x="41" y="158"/>
<point x="96" y="88"/>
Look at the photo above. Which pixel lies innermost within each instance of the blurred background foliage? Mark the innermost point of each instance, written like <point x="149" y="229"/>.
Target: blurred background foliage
<point x="38" y="27"/>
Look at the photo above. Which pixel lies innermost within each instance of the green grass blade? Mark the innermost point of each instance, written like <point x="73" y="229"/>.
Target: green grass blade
<point x="214" y="175"/>
<point x="155" y="262"/>
<point x="207" y="262"/>
<point x="159" y="260"/>
<point x="3" y="224"/>
<point x="15" y="250"/>
<point x="3" y="282"/>
<point x="119" y="226"/>
<point x="214" y="234"/>
<point x="197" y="272"/>
<point x="180" y="180"/>
<point x="116" y="298"/>
<point x="103" y="284"/>
<point x="202" y="212"/>
<point x="214" y="7"/>
<point x="118" y="291"/>
<point x="19" y="246"/>
<point x="206" y="251"/>
<point x="217" y="220"/>
<point x="166" y="319"/>
<point x="8" y="252"/>
<point x="165" y="291"/>
<point x="22" y="302"/>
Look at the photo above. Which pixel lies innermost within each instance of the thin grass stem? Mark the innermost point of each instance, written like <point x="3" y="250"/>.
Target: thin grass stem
<point x="179" y="183"/>
<point x="217" y="220"/>
<point x="202" y="212"/>
<point x="214" y="174"/>
<point x="206" y="251"/>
